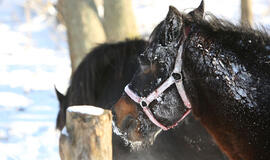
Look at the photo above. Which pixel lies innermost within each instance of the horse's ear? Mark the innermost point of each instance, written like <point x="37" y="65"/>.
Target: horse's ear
<point x="173" y="24"/>
<point x="172" y="13"/>
<point x="198" y="12"/>
<point x="59" y="95"/>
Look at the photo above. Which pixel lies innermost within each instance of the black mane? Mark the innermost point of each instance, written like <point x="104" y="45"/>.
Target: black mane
<point x="253" y="42"/>
<point x="94" y="71"/>
<point x="212" y="24"/>
<point x="101" y="72"/>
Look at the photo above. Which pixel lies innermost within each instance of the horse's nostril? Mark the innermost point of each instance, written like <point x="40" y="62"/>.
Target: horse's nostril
<point x="129" y="123"/>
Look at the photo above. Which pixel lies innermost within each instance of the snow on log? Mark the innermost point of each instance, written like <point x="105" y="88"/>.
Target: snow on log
<point x="87" y="135"/>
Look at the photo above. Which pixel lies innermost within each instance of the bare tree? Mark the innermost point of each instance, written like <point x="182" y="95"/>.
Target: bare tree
<point x="84" y="28"/>
<point x="119" y="20"/>
<point x="246" y="12"/>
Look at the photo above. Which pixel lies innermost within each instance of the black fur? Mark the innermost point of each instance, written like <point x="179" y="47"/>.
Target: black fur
<point x="228" y="72"/>
<point x="101" y="76"/>
<point x="99" y="81"/>
<point x="226" y="75"/>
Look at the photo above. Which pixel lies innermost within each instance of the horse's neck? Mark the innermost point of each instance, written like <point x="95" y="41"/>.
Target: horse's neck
<point x="224" y="87"/>
<point x="214" y="66"/>
<point x="226" y="94"/>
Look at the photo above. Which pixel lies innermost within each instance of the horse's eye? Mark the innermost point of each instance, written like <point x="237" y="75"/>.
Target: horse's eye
<point x="143" y="60"/>
<point x="144" y="67"/>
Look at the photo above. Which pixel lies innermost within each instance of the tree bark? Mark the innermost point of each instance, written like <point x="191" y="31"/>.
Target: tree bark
<point x="84" y="28"/>
<point x="119" y="20"/>
<point x="88" y="134"/>
<point x="246" y="12"/>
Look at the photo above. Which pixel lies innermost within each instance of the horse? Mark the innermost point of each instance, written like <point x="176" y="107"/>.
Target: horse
<point x="216" y="70"/>
<point x="100" y="80"/>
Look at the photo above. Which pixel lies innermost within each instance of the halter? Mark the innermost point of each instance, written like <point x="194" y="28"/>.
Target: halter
<point x="175" y="78"/>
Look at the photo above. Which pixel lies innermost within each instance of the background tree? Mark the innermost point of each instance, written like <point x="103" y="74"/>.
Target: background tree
<point x="119" y="20"/>
<point x="85" y="28"/>
<point x="246" y="12"/>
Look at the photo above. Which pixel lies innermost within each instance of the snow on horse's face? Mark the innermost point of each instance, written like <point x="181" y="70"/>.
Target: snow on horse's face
<point x="157" y="62"/>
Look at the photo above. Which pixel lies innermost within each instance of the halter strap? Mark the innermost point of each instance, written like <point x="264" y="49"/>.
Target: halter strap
<point x="145" y="101"/>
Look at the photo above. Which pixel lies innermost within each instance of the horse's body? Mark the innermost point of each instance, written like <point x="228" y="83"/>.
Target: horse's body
<point x="99" y="81"/>
<point x="225" y="74"/>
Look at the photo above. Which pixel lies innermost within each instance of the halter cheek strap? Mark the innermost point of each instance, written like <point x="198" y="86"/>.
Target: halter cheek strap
<point x="176" y="79"/>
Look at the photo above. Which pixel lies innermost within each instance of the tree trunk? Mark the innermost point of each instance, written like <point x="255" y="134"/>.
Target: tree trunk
<point x="84" y="29"/>
<point x="246" y="12"/>
<point x="88" y="134"/>
<point x="119" y="20"/>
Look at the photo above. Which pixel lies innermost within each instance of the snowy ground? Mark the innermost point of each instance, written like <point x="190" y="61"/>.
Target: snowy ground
<point x="34" y="58"/>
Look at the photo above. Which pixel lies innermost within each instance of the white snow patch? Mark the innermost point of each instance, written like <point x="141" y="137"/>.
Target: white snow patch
<point x="33" y="80"/>
<point x="86" y="109"/>
<point x="35" y="25"/>
<point x="64" y="131"/>
<point x="235" y="68"/>
<point x="31" y="116"/>
<point x="30" y="140"/>
<point x="116" y="130"/>
<point x="158" y="80"/>
<point x="42" y="108"/>
<point x="10" y="99"/>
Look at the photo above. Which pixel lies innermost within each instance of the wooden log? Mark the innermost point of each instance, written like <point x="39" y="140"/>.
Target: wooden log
<point x="87" y="135"/>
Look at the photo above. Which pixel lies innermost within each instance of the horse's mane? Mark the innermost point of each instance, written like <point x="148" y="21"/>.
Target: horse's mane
<point x="222" y="26"/>
<point x="100" y="78"/>
<point x="252" y="44"/>
<point x="226" y="30"/>
<point x="106" y="59"/>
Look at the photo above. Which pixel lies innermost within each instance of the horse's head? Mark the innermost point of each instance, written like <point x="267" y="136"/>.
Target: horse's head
<point x="151" y="101"/>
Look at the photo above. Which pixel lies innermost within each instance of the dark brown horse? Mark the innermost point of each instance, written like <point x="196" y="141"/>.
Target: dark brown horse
<point x="100" y="80"/>
<point x="218" y="70"/>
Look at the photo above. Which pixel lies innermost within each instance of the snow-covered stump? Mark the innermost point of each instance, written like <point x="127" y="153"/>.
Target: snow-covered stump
<point x="87" y="135"/>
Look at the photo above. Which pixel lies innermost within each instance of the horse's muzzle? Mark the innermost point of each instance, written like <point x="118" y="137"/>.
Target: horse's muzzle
<point x="125" y="117"/>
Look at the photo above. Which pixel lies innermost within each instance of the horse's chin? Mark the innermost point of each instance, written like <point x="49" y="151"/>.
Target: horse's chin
<point x="136" y="145"/>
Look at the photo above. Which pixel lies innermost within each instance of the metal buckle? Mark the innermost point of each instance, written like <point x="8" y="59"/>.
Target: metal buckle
<point x="177" y="76"/>
<point x="143" y="102"/>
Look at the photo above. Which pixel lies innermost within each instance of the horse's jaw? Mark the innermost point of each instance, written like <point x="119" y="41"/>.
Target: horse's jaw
<point x="136" y="145"/>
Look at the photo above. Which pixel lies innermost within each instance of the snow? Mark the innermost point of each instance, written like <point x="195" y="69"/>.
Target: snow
<point x="10" y="99"/>
<point x="64" y="131"/>
<point x="85" y="109"/>
<point x="34" y="57"/>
